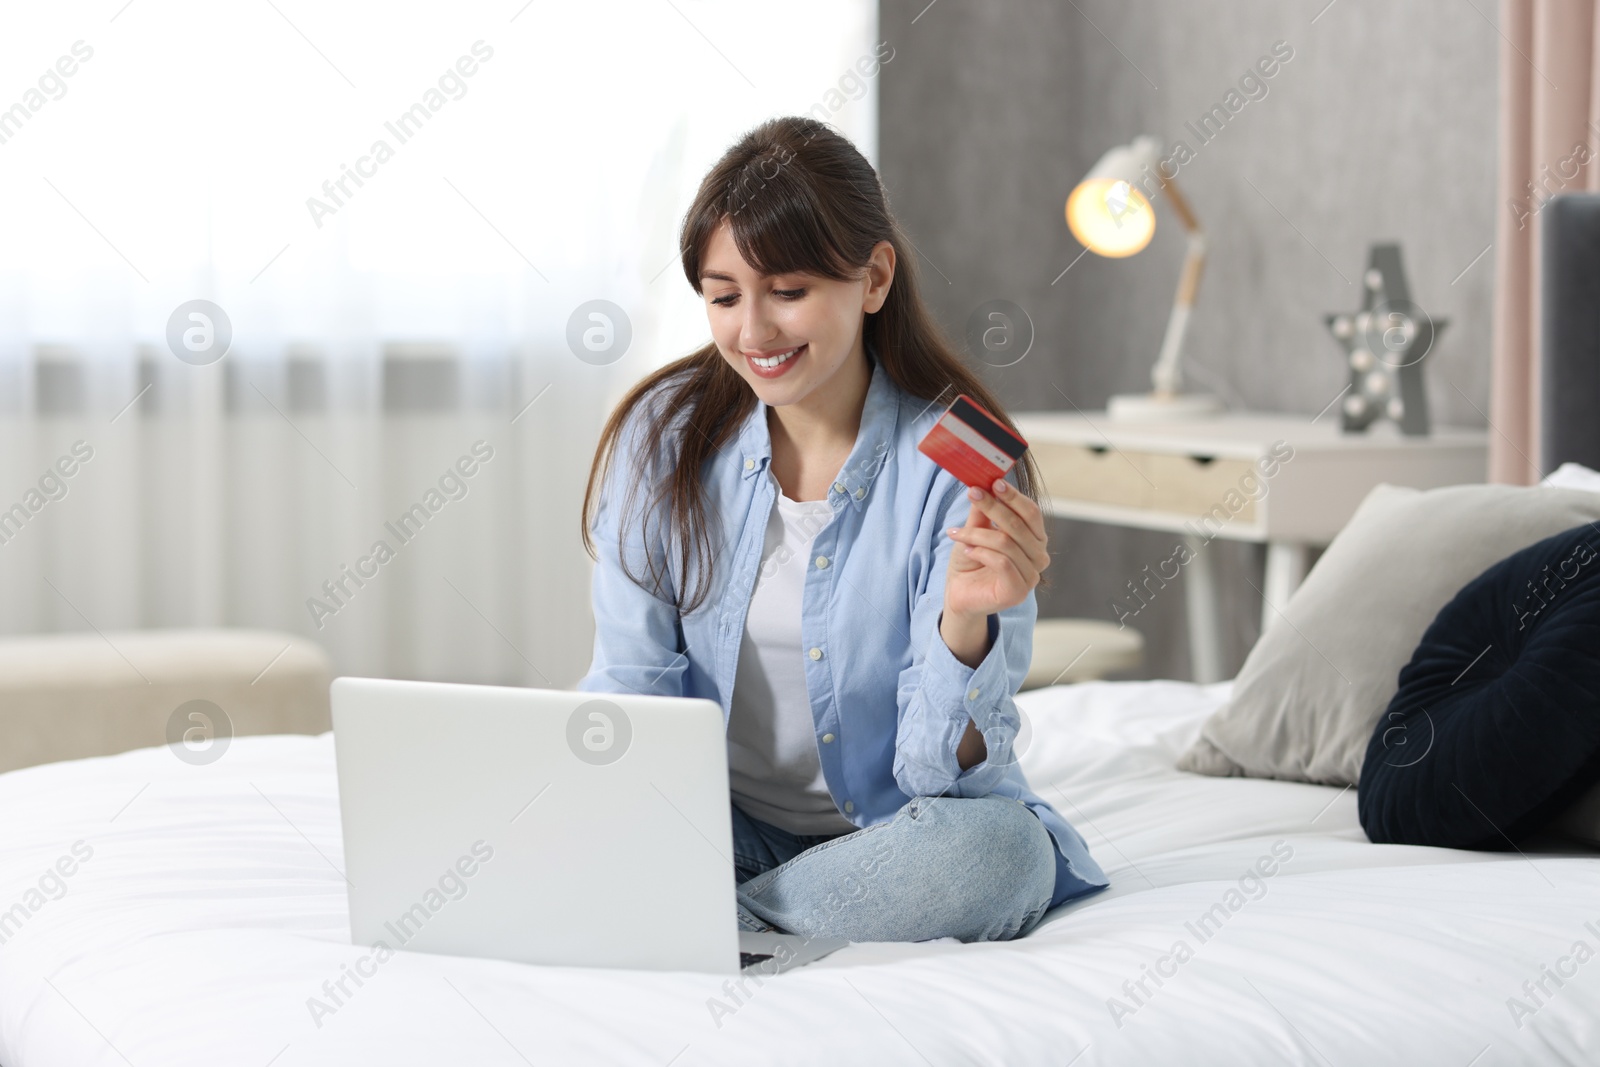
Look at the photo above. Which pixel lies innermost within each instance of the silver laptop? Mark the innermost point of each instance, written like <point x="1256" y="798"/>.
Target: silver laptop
<point x="543" y="826"/>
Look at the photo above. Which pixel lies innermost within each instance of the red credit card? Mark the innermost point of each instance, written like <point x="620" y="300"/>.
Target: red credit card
<point x="972" y="444"/>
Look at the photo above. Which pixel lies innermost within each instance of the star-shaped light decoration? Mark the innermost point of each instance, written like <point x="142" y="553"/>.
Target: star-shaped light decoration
<point x="1384" y="344"/>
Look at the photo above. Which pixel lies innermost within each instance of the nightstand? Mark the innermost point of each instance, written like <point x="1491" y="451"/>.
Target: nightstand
<point x="1287" y="481"/>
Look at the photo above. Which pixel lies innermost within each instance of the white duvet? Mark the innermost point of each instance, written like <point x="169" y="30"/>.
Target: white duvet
<point x="163" y="915"/>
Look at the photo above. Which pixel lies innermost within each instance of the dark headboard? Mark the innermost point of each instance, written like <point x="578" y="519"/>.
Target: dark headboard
<point x="1570" y="349"/>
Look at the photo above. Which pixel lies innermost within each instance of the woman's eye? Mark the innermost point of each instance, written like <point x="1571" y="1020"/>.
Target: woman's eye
<point x="787" y="294"/>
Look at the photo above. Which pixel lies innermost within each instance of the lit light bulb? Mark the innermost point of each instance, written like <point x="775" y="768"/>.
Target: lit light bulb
<point x="1110" y="217"/>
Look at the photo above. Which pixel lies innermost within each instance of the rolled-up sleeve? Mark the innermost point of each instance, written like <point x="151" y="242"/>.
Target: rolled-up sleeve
<point x="638" y="639"/>
<point x="938" y="693"/>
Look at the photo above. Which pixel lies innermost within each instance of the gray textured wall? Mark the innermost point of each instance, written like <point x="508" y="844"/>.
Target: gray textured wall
<point x="1381" y="127"/>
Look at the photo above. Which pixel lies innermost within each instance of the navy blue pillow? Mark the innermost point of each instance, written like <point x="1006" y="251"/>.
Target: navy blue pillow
<point x="1495" y="728"/>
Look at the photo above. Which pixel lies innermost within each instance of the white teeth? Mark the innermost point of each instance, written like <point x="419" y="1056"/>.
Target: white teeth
<point x="783" y="357"/>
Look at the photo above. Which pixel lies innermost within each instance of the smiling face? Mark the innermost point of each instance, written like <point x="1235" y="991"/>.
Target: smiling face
<point x="813" y="322"/>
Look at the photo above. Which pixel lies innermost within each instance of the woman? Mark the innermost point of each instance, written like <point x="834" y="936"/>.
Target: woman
<point x="865" y="666"/>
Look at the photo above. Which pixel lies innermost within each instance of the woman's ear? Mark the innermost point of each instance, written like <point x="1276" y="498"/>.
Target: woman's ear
<point x="880" y="275"/>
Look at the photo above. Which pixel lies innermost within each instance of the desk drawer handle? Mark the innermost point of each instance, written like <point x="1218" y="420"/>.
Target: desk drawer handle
<point x="1204" y="461"/>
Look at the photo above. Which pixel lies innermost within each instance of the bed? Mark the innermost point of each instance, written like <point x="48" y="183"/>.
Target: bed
<point x="209" y="911"/>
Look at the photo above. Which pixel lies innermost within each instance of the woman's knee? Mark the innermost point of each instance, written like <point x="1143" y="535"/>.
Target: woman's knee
<point x="976" y="869"/>
<point x="998" y="854"/>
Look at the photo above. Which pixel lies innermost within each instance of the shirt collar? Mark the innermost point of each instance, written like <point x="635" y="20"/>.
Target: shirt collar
<point x="874" y="440"/>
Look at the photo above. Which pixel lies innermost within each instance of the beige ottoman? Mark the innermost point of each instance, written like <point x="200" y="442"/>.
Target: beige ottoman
<point x="65" y="696"/>
<point x="1080" y="650"/>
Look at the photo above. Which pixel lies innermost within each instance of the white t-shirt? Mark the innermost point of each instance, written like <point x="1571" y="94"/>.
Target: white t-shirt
<point x="773" y="767"/>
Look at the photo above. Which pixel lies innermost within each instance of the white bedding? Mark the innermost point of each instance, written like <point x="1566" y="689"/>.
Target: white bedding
<point x="211" y="910"/>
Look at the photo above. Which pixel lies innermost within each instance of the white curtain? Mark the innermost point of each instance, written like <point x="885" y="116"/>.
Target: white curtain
<point x="386" y="338"/>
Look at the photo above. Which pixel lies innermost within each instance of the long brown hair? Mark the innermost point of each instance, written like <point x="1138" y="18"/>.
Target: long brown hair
<point x="800" y="198"/>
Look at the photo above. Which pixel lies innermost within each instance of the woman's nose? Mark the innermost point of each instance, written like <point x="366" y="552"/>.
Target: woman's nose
<point x="756" y="331"/>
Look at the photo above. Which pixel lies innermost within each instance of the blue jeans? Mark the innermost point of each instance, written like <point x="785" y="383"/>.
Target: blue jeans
<point x="972" y="868"/>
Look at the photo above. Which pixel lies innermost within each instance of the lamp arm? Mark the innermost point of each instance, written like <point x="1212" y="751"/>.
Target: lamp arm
<point x="1165" y="375"/>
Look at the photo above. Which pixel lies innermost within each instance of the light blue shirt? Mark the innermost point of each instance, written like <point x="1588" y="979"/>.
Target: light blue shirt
<point x="889" y="700"/>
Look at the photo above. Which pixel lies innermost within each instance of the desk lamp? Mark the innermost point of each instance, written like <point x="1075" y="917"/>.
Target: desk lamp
<point x="1109" y="213"/>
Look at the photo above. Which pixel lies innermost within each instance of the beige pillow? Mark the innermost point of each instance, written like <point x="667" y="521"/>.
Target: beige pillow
<point x="1313" y="688"/>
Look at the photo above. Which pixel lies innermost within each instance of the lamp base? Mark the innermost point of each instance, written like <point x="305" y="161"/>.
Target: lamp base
<point x="1162" y="407"/>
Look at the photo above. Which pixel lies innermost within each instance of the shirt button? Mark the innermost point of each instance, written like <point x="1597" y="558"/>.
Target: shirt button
<point x="816" y="653"/>
<point x="827" y="739"/>
<point x="822" y="562"/>
<point x="749" y="464"/>
<point x="860" y="493"/>
<point x="972" y="694"/>
<point x="838" y="487"/>
<point x="849" y="805"/>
